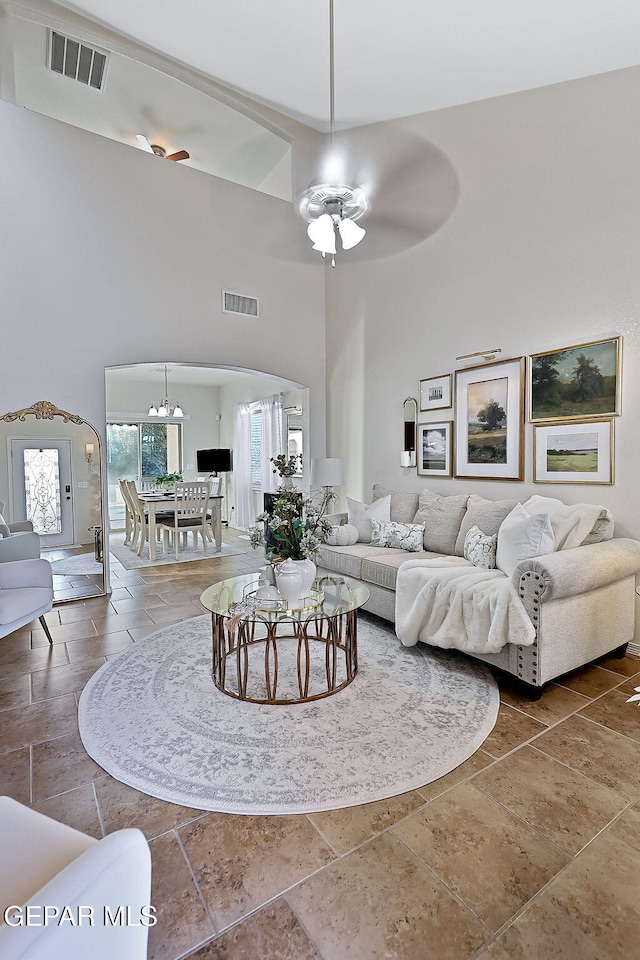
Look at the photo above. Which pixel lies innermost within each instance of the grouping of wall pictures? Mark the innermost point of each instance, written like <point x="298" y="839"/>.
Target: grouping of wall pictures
<point x="572" y="396"/>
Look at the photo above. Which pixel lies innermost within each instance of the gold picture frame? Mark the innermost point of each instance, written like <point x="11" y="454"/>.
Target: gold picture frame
<point x="489" y="423"/>
<point x="435" y="393"/>
<point x="434" y="448"/>
<point x="574" y="452"/>
<point x="576" y="383"/>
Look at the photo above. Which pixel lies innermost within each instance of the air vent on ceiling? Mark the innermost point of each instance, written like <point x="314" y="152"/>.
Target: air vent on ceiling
<point x="238" y="303"/>
<point x="77" y="60"/>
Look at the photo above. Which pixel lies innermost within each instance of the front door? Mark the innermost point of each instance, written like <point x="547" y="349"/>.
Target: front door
<point x="42" y="488"/>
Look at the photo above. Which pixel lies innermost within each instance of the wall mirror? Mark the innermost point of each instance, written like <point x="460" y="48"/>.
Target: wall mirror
<point x="50" y="474"/>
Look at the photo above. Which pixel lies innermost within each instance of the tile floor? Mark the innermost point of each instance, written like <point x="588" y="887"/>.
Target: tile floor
<point x="530" y="849"/>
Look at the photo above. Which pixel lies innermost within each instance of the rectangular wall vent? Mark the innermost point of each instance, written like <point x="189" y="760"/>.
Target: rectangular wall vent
<point x="73" y="58"/>
<point x="238" y="303"/>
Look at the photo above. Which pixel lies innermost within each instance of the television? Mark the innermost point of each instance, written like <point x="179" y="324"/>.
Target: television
<point x="213" y="461"/>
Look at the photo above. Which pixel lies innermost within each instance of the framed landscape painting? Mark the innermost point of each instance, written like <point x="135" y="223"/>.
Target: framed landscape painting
<point x="576" y="382"/>
<point x="490" y="421"/>
<point x="434" y="449"/>
<point x="435" y="393"/>
<point x="573" y="452"/>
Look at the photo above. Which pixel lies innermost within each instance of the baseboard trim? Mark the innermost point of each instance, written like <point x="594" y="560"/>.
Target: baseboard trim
<point x="634" y="648"/>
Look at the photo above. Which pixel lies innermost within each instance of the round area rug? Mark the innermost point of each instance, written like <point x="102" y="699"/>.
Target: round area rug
<point x="154" y="720"/>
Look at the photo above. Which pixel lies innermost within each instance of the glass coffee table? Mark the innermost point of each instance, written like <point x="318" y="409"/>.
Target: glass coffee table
<point x="266" y="653"/>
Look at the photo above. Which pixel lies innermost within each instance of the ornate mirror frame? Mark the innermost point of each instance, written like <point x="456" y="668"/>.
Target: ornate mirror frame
<point x="45" y="410"/>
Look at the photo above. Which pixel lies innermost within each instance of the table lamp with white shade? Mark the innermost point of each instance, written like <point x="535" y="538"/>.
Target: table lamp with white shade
<point x="327" y="472"/>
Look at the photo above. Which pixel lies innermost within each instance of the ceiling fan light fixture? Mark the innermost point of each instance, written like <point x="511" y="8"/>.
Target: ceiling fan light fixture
<point x="322" y="233"/>
<point x="350" y="233"/>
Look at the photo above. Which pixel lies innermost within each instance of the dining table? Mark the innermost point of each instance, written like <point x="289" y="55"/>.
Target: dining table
<point x="161" y="502"/>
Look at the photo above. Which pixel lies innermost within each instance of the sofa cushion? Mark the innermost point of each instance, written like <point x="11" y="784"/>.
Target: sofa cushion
<point x="397" y="536"/>
<point x="383" y="570"/>
<point x="522" y="537"/>
<point x="360" y="515"/>
<point x="403" y="505"/>
<point x="480" y="548"/>
<point x="16" y="603"/>
<point x="486" y="514"/>
<point x="348" y="560"/>
<point x="442" y="517"/>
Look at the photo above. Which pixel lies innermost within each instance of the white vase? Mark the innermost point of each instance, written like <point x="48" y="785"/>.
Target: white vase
<point x="308" y="570"/>
<point x="289" y="582"/>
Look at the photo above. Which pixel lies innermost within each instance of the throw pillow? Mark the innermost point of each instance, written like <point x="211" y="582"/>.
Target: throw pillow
<point x="572" y="523"/>
<point x="486" y="514"/>
<point x="403" y="505"/>
<point x="4" y="529"/>
<point x="442" y="517"/>
<point x="360" y="515"/>
<point x="480" y="548"/>
<point x="342" y="536"/>
<point x="522" y="537"/>
<point x="399" y="536"/>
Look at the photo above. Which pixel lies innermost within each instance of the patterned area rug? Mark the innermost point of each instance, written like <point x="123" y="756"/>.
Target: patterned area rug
<point x="154" y="720"/>
<point x="131" y="561"/>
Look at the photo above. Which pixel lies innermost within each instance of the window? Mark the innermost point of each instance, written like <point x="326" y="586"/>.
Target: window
<point x="140" y="451"/>
<point x="256" y="448"/>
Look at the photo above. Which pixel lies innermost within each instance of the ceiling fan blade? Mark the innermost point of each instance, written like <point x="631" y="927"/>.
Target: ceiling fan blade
<point x="179" y="155"/>
<point x="144" y="143"/>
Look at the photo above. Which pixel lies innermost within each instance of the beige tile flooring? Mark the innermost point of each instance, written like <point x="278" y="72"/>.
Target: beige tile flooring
<point x="530" y="849"/>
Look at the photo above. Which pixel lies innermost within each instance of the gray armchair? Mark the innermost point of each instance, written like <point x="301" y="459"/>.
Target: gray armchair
<point x="17" y="540"/>
<point x="26" y="594"/>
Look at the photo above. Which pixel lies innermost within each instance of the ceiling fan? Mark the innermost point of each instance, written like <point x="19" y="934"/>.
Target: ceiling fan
<point x="160" y="151"/>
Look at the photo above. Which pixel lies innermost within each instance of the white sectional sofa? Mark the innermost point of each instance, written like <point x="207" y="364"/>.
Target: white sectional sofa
<point x="581" y="601"/>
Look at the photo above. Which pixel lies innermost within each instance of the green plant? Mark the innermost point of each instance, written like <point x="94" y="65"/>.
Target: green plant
<point x="286" y="466"/>
<point x="298" y="525"/>
<point x="169" y="478"/>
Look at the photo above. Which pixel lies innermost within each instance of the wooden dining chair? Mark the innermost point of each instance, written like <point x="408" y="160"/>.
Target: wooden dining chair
<point x="189" y="514"/>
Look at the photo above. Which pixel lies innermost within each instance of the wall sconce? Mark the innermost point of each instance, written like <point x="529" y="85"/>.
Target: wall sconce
<point x="410" y="417"/>
<point x="487" y="355"/>
<point x="88" y="452"/>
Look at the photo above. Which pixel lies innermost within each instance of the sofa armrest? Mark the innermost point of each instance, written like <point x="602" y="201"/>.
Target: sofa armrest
<point x="26" y="573"/>
<point x="20" y="546"/>
<point x="337" y="519"/>
<point x="568" y="573"/>
<point x="21" y="526"/>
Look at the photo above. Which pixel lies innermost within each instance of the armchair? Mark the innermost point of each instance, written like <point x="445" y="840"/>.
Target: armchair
<point x="26" y="593"/>
<point x="47" y="867"/>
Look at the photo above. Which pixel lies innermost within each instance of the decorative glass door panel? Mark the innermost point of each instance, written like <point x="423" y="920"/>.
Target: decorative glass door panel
<point x="42" y="490"/>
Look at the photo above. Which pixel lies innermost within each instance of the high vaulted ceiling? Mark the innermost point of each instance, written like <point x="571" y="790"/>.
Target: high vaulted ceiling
<point x="393" y="58"/>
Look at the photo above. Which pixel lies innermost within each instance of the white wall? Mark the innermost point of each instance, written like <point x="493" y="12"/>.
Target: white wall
<point x="109" y="256"/>
<point x="541" y="252"/>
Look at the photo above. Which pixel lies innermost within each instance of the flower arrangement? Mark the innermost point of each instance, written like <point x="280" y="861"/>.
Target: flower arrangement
<point x="286" y="466"/>
<point x="168" y="479"/>
<point x="297" y="525"/>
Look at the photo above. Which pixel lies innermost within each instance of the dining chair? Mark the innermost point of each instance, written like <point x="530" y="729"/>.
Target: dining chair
<point x="189" y="514"/>
<point x="129" y="519"/>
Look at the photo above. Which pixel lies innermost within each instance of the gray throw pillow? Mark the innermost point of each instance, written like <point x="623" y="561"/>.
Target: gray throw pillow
<point x="403" y="505"/>
<point x="442" y="517"/>
<point x="601" y="530"/>
<point x="486" y="514"/>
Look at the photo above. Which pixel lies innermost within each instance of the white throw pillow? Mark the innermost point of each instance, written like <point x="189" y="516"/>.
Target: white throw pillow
<point x="360" y="515"/>
<point x="480" y="548"/>
<point x="521" y="537"/>
<point x="399" y="536"/>
<point x="342" y="536"/>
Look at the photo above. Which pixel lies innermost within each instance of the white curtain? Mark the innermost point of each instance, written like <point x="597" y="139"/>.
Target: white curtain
<point x="272" y="439"/>
<point x="242" y="488"/>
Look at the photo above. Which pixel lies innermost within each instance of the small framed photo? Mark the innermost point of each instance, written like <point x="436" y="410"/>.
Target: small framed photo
<point x="576" y="383"/>
<point x="434" y="449"/>
<point x="573" y="452"/>
<point x="435" y="393"/>
<point x="490" y="421"/>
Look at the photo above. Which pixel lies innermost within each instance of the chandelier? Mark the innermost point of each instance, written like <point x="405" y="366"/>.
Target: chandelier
<point x="331" y="209"/>
<point x="166" y="407"/>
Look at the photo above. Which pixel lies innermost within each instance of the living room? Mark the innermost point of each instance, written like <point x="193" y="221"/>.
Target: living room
<point x="113" y="258"/>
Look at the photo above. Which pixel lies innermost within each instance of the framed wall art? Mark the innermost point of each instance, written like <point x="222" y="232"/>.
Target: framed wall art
<point x="435" y="393"/>
<point x="489" y="425"/>
<point x="573" y="452"/>
<point x="576" y="382"/>
<point x="434" y="449"/>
